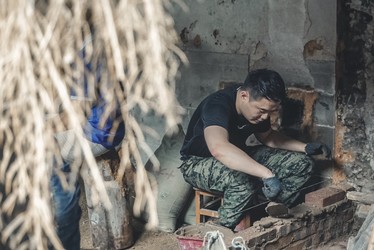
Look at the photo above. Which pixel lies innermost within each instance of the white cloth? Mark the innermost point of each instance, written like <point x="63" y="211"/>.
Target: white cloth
<point x="70" y="148"/>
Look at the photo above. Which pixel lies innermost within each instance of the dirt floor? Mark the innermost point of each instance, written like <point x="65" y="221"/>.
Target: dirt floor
<point x="143" y="239"/>
<point x="152" y="240"/>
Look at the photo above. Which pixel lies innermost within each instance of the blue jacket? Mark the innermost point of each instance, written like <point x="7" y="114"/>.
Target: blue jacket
<point x="106" y="135"/>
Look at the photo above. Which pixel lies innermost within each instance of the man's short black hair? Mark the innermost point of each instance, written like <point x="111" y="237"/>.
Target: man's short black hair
<point x="265" y="83"/>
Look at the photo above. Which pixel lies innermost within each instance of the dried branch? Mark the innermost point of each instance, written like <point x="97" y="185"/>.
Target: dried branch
<point x="40" y="42"/>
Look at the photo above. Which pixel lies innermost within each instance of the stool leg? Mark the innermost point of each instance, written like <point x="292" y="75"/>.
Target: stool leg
<point x="197" y="206"/>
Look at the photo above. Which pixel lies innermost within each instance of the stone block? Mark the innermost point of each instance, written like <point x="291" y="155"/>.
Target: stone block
<point x="324" y="197"/>
<point x="324" y="110"/>
<point x="323" y="73"/>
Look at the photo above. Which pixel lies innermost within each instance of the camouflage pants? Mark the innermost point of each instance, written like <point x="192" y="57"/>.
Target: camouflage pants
<point x="239" y="189"/>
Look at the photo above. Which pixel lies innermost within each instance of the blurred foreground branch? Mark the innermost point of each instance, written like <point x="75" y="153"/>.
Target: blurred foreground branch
<point x="39" y="67"/>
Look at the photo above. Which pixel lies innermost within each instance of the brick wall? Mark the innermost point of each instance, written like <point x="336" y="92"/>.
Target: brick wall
<point x="310" y="226"/>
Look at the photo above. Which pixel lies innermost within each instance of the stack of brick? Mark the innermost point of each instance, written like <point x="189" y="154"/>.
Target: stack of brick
<point x="326" y="215"/>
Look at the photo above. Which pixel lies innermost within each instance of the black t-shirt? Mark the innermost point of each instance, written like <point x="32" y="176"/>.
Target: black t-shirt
<point x="219" y="109"/>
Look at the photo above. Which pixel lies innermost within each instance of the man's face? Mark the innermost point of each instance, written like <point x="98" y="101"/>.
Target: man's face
<point x="256" y="111"/>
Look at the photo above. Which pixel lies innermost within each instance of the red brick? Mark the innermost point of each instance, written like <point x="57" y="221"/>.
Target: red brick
<point x="324" y="197"/>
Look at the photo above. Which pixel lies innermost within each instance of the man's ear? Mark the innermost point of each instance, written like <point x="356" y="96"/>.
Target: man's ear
<point x="244" y="95"/>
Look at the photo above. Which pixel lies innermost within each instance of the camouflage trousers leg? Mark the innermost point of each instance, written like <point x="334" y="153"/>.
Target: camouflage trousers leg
<point x="293" y="169"/>
<point x="239" y="189"/>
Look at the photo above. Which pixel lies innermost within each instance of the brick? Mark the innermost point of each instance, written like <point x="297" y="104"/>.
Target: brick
<point x="302" y="244"/>
<point x="317" y="238"/>
<point x="324" y="197"/>
<point x="303" y="233"/>
<point x="322" y="224"/>
<point x="348" y="215"/>
<point x="289" y="227"/>
<point x="347" y="227"/>
<point x="281" y="243"/>
<point x="262" y="237"/>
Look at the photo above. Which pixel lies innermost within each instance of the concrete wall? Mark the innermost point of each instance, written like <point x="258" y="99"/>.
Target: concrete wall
<point x="223" y="39"/>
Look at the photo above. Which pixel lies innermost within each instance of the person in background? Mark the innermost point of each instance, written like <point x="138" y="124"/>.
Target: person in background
<point x="216" y="158"/>
<point x="101" y="139"/>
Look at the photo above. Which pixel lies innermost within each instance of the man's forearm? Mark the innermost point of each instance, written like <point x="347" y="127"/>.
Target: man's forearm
<point x="277" y="140"/>
<point x="236" y="159"/>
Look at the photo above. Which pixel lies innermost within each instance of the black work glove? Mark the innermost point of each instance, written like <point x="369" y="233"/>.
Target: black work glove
<point x="316" y="148"/>
<point x="272" y="187"/>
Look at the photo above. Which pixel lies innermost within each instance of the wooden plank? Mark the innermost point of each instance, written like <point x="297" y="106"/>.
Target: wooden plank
<point x="209" y="212"/>
<point x="365" y="198"/>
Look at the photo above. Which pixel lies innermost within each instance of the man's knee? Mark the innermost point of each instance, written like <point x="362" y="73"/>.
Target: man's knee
<point x="197" y="169"/>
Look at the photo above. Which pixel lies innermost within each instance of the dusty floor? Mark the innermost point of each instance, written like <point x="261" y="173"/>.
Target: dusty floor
<point x="142" y="239"/>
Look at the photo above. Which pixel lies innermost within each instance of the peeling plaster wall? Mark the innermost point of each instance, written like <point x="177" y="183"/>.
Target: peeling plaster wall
<point x="223" y="39"/>
<point x="355" y="102"/>
<point x="272" y="33"/>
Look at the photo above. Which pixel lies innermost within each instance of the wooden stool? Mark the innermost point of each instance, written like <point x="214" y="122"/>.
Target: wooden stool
<point x="209" y="209"/>
<point x="206" y="209"/>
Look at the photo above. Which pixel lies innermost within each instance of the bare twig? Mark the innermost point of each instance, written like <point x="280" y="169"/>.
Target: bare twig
<point x="40" y="43"/>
